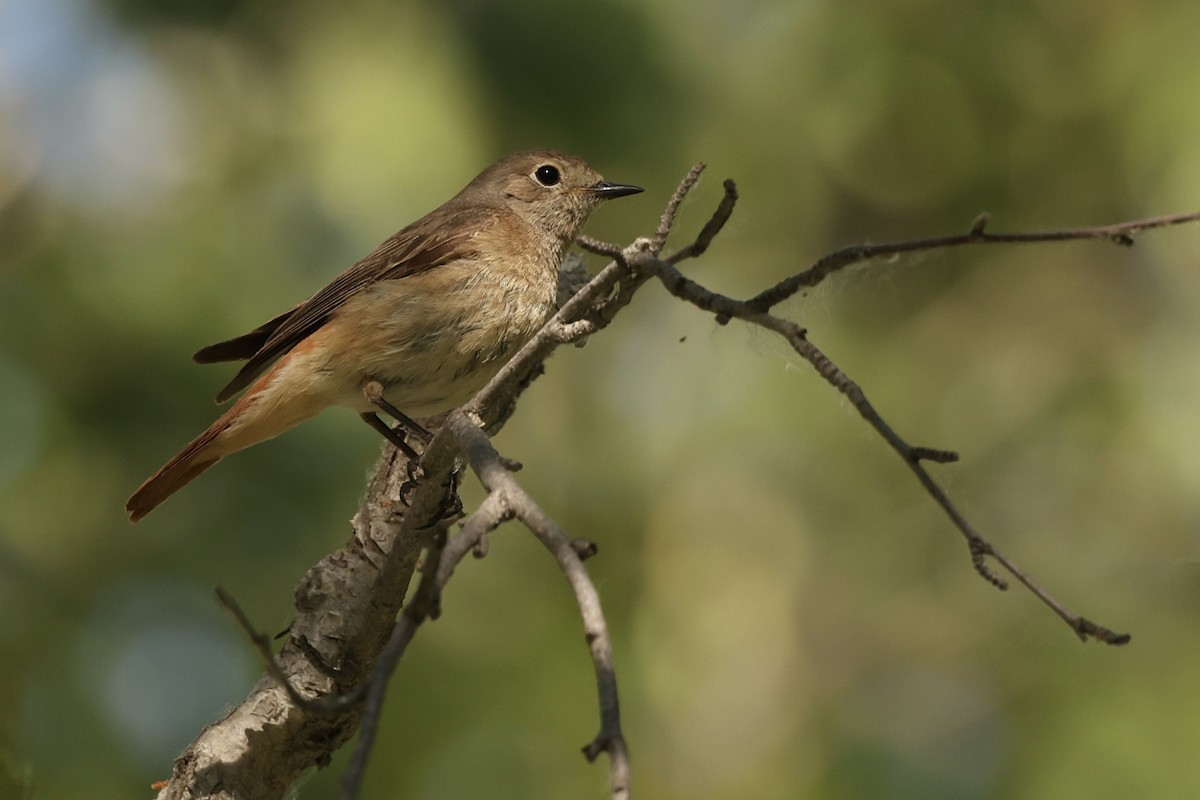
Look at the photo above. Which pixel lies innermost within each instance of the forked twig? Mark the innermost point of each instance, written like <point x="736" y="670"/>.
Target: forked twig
<point x="506" y="500"/>
<point x="754" y="311"/>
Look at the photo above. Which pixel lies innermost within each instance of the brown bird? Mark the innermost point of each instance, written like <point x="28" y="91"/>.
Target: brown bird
<point x="415" y="328"/>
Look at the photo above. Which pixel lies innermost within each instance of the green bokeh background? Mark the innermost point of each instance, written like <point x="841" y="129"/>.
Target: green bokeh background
<point x="793" y="617"/>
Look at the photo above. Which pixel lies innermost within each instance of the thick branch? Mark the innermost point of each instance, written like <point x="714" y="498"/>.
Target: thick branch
<point x="344" y="610"/>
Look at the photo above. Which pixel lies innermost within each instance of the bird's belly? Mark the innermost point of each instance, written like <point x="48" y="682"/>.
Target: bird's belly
<point x="432" y="359"/>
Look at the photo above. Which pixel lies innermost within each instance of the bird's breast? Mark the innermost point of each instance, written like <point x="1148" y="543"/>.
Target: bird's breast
<point x="435" y="338"/>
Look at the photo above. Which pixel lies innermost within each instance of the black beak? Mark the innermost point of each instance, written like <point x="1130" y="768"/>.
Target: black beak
<point x="606" y="191"/>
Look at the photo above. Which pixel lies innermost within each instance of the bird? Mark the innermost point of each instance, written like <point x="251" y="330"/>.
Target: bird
<point x="415" y="328"/>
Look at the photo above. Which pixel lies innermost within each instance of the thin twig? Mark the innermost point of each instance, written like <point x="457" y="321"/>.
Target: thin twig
<point x="440" y="561"/>
<point x="325" y="706"/>
<point x="711" y="228"/>
<point x="606" y="249"/>
<point x="1121" y="233"/>
<point x="415" y="613"/>
<point x="262" y="643"/>
<point x="402" y="633"/>
<point x="667" y="221"/>
<point x="486" y="463"/>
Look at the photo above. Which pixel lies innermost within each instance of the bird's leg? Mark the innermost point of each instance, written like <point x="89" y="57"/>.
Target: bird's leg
<point x="393" y="435"/>
<point x="373" y="391"/>
<point x="451" y="506"/>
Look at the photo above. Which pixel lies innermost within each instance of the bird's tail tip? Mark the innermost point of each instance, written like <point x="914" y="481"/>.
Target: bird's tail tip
<point x="176" y="474"/>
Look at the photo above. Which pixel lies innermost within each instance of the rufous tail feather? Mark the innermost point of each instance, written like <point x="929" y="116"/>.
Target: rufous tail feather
<point x="271" y="406"/>
<point x="178" y="472"/>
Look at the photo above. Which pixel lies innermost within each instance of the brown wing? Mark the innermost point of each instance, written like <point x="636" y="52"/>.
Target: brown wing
<point x="241" y="347"/>
<point x="414" y="249"/>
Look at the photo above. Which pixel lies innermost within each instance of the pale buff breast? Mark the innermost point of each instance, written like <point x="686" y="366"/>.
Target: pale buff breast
<point x="436" y="338"/>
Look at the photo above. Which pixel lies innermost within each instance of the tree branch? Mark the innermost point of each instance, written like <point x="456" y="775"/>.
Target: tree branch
<point x="331" y="674"/>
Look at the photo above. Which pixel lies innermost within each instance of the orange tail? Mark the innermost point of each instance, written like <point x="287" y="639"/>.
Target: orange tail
<point x="179" y="471"/>
<point x="290" y="393"/>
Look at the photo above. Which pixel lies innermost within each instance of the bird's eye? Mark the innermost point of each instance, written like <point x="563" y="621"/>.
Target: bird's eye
<point x="547" y="175"/>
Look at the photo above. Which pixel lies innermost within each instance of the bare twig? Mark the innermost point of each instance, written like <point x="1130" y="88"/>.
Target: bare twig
<point x="415" y="613"/>
<point x="441" y="559"/>
<point x="711" y="228"/>
<point x="329" y="705"/>
<point x="486" y="463"/>
<point x="980" y="548"/>
<point x="606" y="249"/>
<point x="505" y="500"/>
<point x="1121" y="233"/>
<point x="667" y="221"/>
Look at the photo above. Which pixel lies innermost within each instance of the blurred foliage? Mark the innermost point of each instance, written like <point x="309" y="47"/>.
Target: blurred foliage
<point x="793" y="616"/>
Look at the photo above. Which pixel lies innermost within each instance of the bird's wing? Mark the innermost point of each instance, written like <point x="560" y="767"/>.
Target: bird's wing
<point x="241" y="347"/>
<point x="414" y="249"/>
